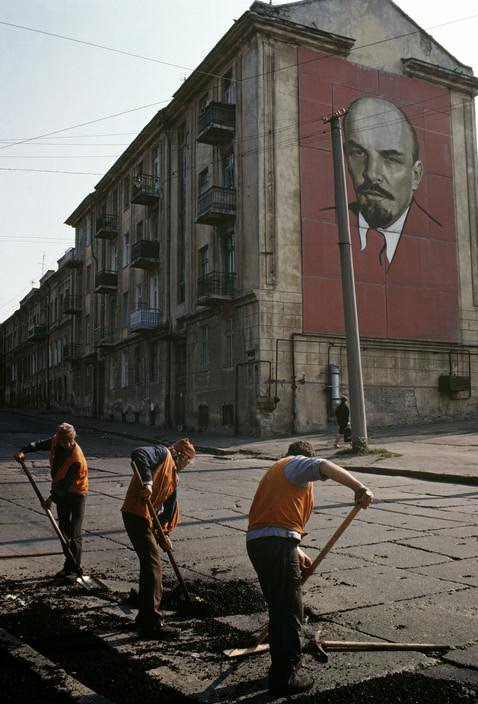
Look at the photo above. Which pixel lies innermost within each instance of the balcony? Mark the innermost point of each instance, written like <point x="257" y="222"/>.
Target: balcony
<point x="216" y="288"/>
<point x="104" y="337"/>
<point x="145" y="254"/>
<point x="217" y="124"/>
<point x="106" y="282"/>
<point x="71" y="304"/>
<point x="72" y="353"/>
<point x="145" y="319"/>
<point x="106" y="227"/>
<point x="145" y="190"/>
<point x="71" y="259"/>
<point x="36" y="333"/>
<point x="217" y="206"/>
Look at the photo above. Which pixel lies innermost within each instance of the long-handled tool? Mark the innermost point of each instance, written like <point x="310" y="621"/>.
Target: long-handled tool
<point x="196" y="604"/>
<point x="84" y="580"/>
<point x="325" y="645"/>
<point x="259" y="646"/>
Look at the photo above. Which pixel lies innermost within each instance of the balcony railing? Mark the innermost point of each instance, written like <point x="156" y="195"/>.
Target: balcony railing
<point x="145" y="189"/>
<point x="217" y="124"/>
<point x="216" y="206"/>
<point x="106" y="281"/>
<point x="144" y="319"/>
<point x="37" y="332"/>
<point x="106" y="227"/>
<point x="72" y="353"/>
<point x="145" y="254"/>
<point x="104" y="337"/>
<point x="70" y="259"/>
<point x="71" y="304"/>
<point x="216" y="287"/>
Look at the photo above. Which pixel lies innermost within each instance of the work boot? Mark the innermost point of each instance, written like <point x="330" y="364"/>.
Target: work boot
<point x="297" y="682"/>
<point x="61" y="574"/>
<point x="159" y="631"/>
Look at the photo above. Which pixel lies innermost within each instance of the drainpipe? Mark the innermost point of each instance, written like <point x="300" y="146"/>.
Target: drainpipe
<point x="167" y="400"/>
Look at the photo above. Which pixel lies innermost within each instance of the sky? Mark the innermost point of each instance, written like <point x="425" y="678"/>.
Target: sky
<point x="50" y="84"/>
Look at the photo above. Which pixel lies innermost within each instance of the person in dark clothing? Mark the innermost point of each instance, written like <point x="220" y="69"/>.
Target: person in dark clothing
<point x="280" y="509"/>
<point x="69" y="488"/>
<point x="342" y="414"/>
<point x="158" y="467"/>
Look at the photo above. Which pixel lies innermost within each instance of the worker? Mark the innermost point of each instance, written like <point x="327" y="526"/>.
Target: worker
<point x="159" y="468"/>
<point x="279" y="512"/>
<point x="69" y="488"/>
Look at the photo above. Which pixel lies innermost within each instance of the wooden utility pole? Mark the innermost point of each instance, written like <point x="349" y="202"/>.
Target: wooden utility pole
<point x="352" y="337"/>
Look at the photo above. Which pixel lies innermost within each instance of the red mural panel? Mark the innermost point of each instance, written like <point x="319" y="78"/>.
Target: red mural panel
<point x="398" y="153"/>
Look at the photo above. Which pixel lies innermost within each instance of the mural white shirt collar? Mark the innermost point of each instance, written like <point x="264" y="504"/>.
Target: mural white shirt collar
<point x="391" y="233"/>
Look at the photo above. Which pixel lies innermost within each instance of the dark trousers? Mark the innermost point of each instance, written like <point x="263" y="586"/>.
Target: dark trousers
<point x="71" y="512"/>
<point x="150" y="569"/>
<point x="277" y="565"/>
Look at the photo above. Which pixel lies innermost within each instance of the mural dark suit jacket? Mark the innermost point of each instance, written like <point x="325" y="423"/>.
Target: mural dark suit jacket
<point x="413" y="297"/>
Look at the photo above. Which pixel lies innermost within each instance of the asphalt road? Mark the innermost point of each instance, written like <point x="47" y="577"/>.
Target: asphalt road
<point x="405" y="570"/>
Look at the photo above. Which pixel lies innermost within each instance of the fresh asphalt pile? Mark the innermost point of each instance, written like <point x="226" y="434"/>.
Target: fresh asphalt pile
<point x="68" y="627"/>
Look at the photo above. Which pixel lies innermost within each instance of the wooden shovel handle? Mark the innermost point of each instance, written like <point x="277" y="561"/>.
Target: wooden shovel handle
<point x="159" y="528"/>
<point x="325" y="550"/>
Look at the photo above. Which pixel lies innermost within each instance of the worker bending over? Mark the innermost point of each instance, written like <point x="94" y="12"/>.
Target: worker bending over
<point x="158" y="467"/>
<point x="279" y="512"/>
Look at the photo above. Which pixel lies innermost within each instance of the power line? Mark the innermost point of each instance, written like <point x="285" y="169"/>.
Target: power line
<point x="52" y="171"/>
<point x="79" y="144"/>
<point x="59" y="156"/>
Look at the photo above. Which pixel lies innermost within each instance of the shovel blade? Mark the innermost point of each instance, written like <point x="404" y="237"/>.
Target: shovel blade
<point x="90" y="582"/>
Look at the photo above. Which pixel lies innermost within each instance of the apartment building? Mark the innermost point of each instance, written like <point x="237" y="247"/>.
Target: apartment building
<point x="205" y="291"/>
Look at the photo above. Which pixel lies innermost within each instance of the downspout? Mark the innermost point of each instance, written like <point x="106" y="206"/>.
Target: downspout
<point x="167" y="399"/>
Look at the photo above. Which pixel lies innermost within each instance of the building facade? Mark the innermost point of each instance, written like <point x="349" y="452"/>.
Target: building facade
<point x="203" y="291"/>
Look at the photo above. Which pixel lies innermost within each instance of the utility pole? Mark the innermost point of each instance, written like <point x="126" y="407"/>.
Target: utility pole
<point x="352" y="337"/>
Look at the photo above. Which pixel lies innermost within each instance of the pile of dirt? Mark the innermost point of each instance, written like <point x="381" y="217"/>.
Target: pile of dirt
<point x="225" y="599"/>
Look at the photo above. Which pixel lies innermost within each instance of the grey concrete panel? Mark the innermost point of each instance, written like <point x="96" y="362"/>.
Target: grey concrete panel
<point x="460" y="571"/>
<point x="414" y="620"/>
<point x="455" y="546"/>
<point x="462" y="675"/>
<point x="468" y="657"/>
<point x="367" y="586"/>
<point x="395" y="555"/>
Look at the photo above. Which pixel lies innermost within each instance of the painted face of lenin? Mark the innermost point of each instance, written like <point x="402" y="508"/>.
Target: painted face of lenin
<point x="381" y="149"/>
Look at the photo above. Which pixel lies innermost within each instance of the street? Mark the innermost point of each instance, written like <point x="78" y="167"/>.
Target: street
<point x="406" y="570"/>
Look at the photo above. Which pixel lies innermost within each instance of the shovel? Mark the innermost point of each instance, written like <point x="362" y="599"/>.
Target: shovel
<point x="195" y="603"/>
<point x="259" y="646"/>
<point x="85" y="581"/>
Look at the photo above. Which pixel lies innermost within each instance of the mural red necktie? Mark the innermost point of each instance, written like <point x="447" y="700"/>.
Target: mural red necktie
<point x="376" y="247"/>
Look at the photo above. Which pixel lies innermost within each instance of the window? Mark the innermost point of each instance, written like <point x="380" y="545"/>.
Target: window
<point x="112" y="315"/>
<point x="124" y="369"/>
<point x="126" y="249"/>
<point x="88" y="278"/>
<point x="203" y="264"/>
<point x="87" y="330"/>
<point x="125" y="310"/>
<point x="204" y="347"/>
<point x="229" y="253"/>
<point x="228" y="343"/>
<point x="203" y="181"/>
<point x="228" y="170"/>
<point x="112" y="373"/>
<point x="228" y="414"/>
<point x="154" y="362"/>
<point x="139" y="231"/>
<point x="114" y="258"/>
<point x="137" y="366"/>
<point x="126" y="193"/>
<point x="154" y="293"/>
<point x="203" y="101"/>
<point x="229" y="88"/>
<point x="138" y="297"/>
<point x="79" y="238"/>
<point x="89" y="231"/>
<point x="114" y="202"/>
<point x="156" y="162"/>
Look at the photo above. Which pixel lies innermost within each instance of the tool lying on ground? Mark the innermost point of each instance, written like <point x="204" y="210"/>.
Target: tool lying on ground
<point x="259" y="646"/>
<point x="84" y="580"/>
<point x="324" y="645"/>
<point x="193" y="604"/>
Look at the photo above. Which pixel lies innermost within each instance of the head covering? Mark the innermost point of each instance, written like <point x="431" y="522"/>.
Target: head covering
<point x="184" y="447"/>
<point x="66" y="429"/>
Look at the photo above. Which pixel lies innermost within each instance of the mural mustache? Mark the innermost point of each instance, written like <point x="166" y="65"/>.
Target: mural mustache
<point x="376" y="212"/>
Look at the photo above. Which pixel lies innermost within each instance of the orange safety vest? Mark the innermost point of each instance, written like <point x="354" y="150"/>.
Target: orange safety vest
<point x="280" y="504"/>
<point x="164" y="484"/>
<point x="80" y="482"/>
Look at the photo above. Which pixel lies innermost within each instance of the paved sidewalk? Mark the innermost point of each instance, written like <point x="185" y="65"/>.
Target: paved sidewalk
<point x="443" y="450"/>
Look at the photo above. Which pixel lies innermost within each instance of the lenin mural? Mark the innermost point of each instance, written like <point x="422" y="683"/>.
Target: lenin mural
<point x="400" y="185"/>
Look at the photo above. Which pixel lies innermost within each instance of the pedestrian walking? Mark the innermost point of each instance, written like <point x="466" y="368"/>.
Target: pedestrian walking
<point x="159" y="468"/>
<point x="279" y="512"/>
<point x="342" y="415"/>
<point x="69" y="488"/>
